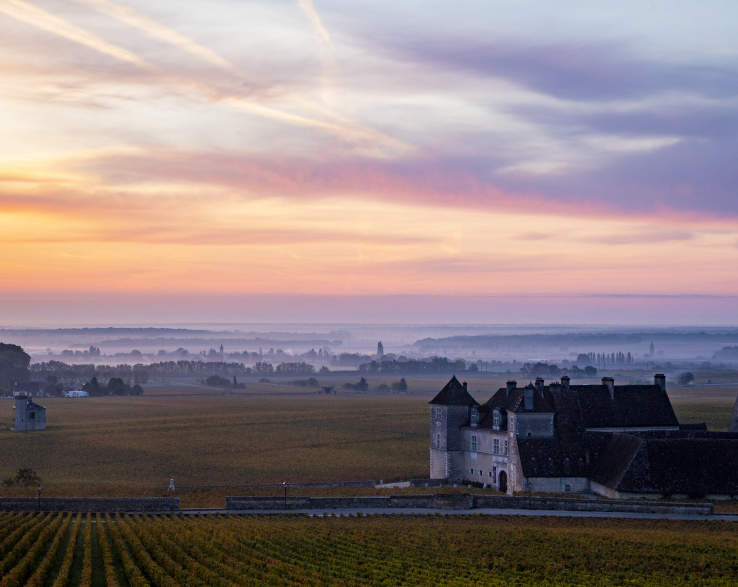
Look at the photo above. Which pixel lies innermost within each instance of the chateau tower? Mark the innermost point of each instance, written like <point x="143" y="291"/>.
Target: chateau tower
<point x="450" y="410"/>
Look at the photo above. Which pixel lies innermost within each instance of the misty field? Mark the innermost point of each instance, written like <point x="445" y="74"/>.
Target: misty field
<point x="165" y="551"/>
<point x="217" y="440"/>
<point x="276" y="433"/>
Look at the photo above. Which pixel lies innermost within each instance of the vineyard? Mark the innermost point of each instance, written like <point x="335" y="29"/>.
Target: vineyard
<point x="57" y="550"/>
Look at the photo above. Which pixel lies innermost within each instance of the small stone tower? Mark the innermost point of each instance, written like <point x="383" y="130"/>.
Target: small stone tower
<point x="450" y="410"/>
<point x="28" y="415"/>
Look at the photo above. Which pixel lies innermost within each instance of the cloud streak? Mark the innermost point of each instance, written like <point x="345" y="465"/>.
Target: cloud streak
<point x="44" y="20"/>
<point x="159" y="31"/>
<point x="370" y="140"/>
<point x="309" y="8"/>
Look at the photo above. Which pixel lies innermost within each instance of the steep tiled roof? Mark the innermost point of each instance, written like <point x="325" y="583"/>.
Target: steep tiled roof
<point x="564" y="455"/>
<point x="633" y="406"/>
<point x="515" y="400"/>
<point x="34" y="406"/>
<point x="670" y="462"/>
<point x="454" y="394"/>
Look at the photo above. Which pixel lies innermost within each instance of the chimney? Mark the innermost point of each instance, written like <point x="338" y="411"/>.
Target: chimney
<point x="511" y="385"/>
<point x="464" y="384"/>
<point x="539" y="382"/>
<point x="529" y="399"/>
<point x="660" y="381"/>
<point x="609" y="382"/>
<point x="565" y="383"/>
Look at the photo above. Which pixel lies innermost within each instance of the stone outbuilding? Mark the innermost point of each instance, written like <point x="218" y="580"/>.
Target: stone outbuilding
<point x="28" y="414"/>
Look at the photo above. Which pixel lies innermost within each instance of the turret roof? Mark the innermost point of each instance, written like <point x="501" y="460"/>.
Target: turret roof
<point x="454" y="394"/>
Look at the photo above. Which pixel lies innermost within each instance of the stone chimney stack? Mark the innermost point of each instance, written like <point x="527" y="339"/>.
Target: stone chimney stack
<point x="660" y="380"/>
<point x="464" y="384"/>
<point x="609" y="382"/>
<point x="565" y="383"/>
<point x="511" y="385"/>
<point x="539" y="382"/>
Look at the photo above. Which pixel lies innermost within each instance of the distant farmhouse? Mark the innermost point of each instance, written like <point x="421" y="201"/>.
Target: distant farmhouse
<point x="28" y="387"/>
<point x="28" y="415"/>
<point x="617" y="441"/>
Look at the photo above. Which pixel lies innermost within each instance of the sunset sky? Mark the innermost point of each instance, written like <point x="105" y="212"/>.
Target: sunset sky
<point x="325" y="160"/>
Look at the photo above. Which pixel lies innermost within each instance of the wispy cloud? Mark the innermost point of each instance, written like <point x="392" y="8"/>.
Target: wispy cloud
<point x="309" y="8"/>
<point x="651" y="236"/>
<point x="44" y="20"/>
<point x="371" y="141"/>
<point x="534" y="236"/>
<point x="159" y="31"/>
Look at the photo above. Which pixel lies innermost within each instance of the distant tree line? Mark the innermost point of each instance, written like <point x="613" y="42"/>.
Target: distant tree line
<point x="412" y="366"/>
<point x="728" y="353"/>
<point x="605" y="359"/>
<point x="363" y="385"/>
<point x="14" y="365"/>
<point x="544" y="369"/>
<point x="141" y="374"/>
<point x="114" y="386"/>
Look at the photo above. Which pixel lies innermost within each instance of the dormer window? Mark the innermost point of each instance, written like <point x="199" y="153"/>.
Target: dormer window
<point x="475" y="416"/>
<point x="496" y="418"/>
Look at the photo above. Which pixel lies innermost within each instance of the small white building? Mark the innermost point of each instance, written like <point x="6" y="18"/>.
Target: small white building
<point x="78" y="393"/>
<point x="28" y="415"/>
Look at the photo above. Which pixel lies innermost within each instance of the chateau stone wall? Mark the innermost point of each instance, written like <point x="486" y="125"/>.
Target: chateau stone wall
<point x="465" y="502"/>
<point x="90" y="504"/>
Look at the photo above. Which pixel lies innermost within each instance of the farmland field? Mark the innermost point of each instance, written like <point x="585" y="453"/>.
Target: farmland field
<point x="132" y="446"/>
<point x="100" y="550"/>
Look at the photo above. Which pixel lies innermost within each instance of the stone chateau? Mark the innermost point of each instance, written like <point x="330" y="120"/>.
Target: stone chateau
<point x="612" y="440"/>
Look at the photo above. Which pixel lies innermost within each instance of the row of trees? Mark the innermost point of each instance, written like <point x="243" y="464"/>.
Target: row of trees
<point x="14" y="364"/>
<point x="605" y="359"/>
<point x="544" y="369"/>
<point x="433" y="365"/>
<point x="363" y="385"/>
<point x="114" y="386"/>
<point x="143" y="373"/>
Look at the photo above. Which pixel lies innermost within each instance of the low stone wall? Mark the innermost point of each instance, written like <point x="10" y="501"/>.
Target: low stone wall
<point x="427" y="482"/>
<point x="90" y="504"/>
<point x="592" y="505"/>
<point x="289" y="485"/>
<point x="460" y="501"/>
<point x="328" y="503"/>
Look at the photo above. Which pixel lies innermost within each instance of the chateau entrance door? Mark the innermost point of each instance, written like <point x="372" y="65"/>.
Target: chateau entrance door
<point x="503" y="482"/>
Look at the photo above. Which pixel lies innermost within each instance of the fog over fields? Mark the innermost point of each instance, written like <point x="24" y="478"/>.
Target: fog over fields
<point x="289" y="342"/>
